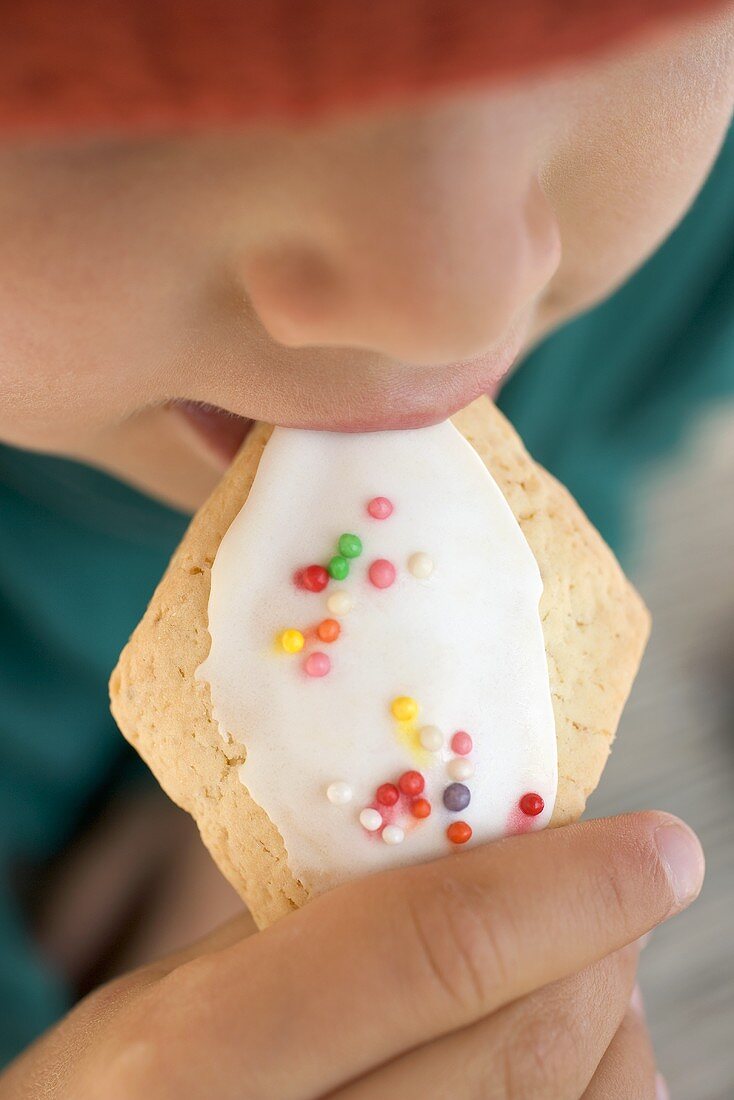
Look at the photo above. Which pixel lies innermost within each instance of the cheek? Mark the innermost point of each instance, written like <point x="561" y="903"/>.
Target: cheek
<point x="645" y="138"/>
<point x="88" y="304"/>
<point x="67" y="370"/>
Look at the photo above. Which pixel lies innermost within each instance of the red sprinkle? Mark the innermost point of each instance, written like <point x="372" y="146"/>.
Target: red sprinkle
<point x="328" y="630"/>
<point x="462" y="743"/>
<point x="317" y="664"/>
<point x="411" y="783"/>
<point x="421" y="808"/>
<point x="382" y="573"/>
<point x="387" y="794"/>
<point x="459" y="832"/>
<point x="532" y="804"/>
<point x="314" y="578"/>
<point x="380" y="507"/>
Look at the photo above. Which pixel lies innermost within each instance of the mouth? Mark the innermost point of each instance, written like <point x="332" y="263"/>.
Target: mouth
<point x="415" y="398"/>
<point x="217" y="432"/>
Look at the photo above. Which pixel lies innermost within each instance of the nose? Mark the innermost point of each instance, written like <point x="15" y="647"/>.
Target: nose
<point x="429" y="281"/>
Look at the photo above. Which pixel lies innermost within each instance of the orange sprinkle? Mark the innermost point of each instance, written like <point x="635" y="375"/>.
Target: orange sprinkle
<point x="328" y="630"/>
<point x="421" y="807"/>
<point x="459" y="832"/>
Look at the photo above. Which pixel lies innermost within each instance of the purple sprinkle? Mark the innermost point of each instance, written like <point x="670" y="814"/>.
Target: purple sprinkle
<point x="456" y="797"/>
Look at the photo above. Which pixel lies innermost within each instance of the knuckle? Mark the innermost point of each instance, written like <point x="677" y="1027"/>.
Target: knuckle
<point x="537" y="1059"/>
<point x="133" y="1068"/>
<point x="624" y="885"/>
<point x="462" y="941"/>
<point x="141" y="1054"/>
<point x="129" y="1063"/>
<point x="190" y="979"/>
<point x="98" y="1026"/>
<point x="107" y="999"/>
<point x="139" y="1023"/>
<point x="613" y="979"/>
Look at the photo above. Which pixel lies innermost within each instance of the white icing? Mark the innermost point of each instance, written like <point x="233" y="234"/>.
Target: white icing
<point x="465" y="641"/>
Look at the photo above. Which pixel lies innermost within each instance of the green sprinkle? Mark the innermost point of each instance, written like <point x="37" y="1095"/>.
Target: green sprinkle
<point x="338" y="568"/>
<point x="350" y="546"/>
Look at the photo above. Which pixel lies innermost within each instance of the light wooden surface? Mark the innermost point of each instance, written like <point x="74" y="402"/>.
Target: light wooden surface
<point x="675" y="751"/>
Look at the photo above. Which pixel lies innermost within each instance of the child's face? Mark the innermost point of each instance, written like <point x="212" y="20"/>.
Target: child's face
<point x="374" y="272"/>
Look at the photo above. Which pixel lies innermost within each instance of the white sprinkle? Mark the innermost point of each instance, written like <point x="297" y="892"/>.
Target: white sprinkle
<point x="460" y="768"/>
<point x="420" y="565"/>
<point x="393" y="834"/>
<point x="339" y="793"/>
<point x="431" y="738"/>
<point x="339" y="603"/>
<point x="371" y="820"/>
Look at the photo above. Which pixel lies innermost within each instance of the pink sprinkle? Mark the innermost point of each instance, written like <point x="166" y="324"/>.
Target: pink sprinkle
<point x="380" y="508"/>
<point x="317" y="664"/>
<point x="461" y="743"/>
<point x="382" y="573"/>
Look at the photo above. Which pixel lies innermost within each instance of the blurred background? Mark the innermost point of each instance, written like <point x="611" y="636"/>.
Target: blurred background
<point x="675" y="750"/>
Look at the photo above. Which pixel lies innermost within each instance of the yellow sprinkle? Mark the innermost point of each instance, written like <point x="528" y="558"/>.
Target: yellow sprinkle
<point x="404" y="708"/>
<point x="292" y="641"/>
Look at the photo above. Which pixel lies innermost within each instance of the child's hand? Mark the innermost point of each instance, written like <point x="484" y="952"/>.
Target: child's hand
<point x="501" y="972"/>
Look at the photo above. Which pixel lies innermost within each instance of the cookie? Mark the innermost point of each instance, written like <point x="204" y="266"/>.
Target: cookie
<point x="353" y="671"/>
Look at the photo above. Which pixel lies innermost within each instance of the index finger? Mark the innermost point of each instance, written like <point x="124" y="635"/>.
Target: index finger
<point x="380" y="966"/>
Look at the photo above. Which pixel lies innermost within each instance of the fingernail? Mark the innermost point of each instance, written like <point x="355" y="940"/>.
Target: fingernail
<point x="644" y="940"/>
<point x="682" y="857"/>
<point x="661" y="1089"/>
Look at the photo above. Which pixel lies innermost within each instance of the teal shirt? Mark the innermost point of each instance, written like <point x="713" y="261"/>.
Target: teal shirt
<point x="80" y="553"/>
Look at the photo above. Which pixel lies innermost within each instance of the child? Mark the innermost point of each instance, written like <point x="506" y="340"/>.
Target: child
<point x="348" y="219"/>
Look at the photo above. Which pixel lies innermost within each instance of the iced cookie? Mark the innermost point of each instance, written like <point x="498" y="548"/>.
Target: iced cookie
<point x="376" y="649"/>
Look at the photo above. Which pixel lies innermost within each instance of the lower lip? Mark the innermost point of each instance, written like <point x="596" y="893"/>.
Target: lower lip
<point x="221" y="433"/>
<point x="405" y="411"/>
